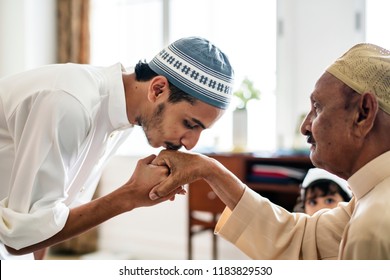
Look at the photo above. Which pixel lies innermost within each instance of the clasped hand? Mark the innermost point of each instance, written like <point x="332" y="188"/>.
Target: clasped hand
<point x="184" y="168"/>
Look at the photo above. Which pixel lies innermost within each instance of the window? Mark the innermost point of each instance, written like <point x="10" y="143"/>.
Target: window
<point x="378" y="22"/>
<point x="130" y="30"/>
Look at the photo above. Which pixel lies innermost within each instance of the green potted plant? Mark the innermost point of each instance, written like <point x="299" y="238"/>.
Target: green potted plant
<point x="244" y="94"/>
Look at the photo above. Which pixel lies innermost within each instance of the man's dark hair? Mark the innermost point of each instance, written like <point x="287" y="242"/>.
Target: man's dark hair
<point x="143" y="73"/>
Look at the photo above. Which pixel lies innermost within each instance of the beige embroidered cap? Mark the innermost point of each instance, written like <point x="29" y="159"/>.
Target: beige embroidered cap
<point x="365" y="68"/>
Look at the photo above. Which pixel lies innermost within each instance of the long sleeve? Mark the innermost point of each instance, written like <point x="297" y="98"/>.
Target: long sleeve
<point x="59" y="125"/>
<point x="44" y="139"/>
<point x="263" y="230"/>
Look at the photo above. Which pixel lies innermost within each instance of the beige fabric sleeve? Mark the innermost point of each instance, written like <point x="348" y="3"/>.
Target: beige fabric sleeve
<point x="263" y="230"/>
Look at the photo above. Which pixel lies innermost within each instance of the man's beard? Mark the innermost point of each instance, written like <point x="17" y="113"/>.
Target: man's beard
<point x="154" y="123"/>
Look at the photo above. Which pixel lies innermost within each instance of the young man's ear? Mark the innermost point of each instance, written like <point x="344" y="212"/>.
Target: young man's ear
<point x="368" y="109"/>
<point x="158" y="86"/>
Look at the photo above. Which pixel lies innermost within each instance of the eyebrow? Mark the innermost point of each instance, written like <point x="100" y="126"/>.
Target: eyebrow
<point x="313" y="95"/>
<point x="199" y="123"/>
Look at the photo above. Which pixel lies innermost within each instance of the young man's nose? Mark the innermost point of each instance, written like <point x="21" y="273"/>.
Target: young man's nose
<point x="190" y="139"/>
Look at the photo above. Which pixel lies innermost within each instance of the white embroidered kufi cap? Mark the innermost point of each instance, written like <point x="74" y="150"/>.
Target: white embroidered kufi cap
<point x="366" y="68"/>
<point x="198" y="68"/>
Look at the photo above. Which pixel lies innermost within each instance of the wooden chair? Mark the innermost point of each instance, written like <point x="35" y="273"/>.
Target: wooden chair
<point x="204" y="208"/>
<point x="203" y="200"/>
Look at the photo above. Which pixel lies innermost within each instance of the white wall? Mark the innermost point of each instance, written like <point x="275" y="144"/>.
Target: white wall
<point x="311" y="35"/>
<point x="27" y="34"/>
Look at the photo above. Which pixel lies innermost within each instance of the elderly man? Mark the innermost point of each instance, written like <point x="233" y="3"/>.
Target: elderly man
<point x="348" y="129"/>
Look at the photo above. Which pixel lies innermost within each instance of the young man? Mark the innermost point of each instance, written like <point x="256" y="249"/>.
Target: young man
<point x="348" y="129"/>
<point x="60" y="124"/>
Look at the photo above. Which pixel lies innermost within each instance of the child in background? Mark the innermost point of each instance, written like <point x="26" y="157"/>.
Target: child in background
<point x="321" y="189"/>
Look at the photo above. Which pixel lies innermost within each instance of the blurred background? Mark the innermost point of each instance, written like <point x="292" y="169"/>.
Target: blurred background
<point x="281" y="46"/>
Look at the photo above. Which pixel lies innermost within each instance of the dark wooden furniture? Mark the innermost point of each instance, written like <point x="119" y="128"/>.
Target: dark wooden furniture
<point x="203" y="201"/>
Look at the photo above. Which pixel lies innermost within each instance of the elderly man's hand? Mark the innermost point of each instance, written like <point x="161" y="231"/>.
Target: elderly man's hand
<point x="184" y="168"/>
<point x="145" y="176"/>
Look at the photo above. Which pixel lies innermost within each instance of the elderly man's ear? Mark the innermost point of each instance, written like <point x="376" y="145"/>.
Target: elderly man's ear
<point x="367" y="112"/>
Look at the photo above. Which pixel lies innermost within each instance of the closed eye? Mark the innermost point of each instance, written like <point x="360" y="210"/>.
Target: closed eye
<point x="316" y="107"/>
<point x="189" y="125"/>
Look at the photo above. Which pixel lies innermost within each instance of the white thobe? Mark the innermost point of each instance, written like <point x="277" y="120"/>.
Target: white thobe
<point x="59" y="125"/>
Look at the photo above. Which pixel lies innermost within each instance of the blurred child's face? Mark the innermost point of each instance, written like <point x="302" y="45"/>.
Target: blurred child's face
<point x="315" y="202"/>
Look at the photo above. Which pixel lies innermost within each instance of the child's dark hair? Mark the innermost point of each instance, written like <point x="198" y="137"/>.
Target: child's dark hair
<point x="324" y="187"/>
<point x="320" y="188"/>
